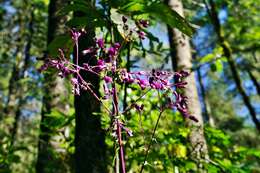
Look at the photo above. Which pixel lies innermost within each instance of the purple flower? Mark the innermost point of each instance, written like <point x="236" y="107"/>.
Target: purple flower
<point x="177" y="77"/>
<point x="101" y="65"/>
<point x="126" y="77"/>
<point x="165" y="82"/>
<point x="142" y="83"/>
<point x="139" y="108"/>
<point x="75" y="34"/>
<point x="75" y="83"/>
<point x="116" y="46"/>
<point x="100" y="62"/>
<point x="100" y="42"/>
<point x="111" y="52"/>
<point x="43" y="67"/>
<point x="108" y="79"/>
<point x="106" y="91"/>
<point x="140" y="73"/>
<point x="156" y="85"/>
<point x="128" y="131"/>
<point x="65" y="71"/>
<point x="144" y="23"/>
<point x="141" y="34"/>
<point x="184" y="73"/>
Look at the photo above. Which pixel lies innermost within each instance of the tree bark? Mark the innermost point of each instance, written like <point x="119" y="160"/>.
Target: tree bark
<point x="11" y="103"/>
<point x="56" y="97"/>
<point x="181" y="59"/>
<point x="21" y="74"/>
<point x="15" y="99"/>
<point x="213" y="14"/>
<point x="89" y="137"/>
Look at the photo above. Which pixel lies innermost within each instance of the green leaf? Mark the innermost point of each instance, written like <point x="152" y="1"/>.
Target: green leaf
<point x="63" y="41"/>
<point x="55" y="120"/>
<point x="81" y="22"/>
<point x="116" y="17"/>
<point x="74" y="8"/>
<point x="219" y="65"/>
<point x="14" y="158"/>
<point x="160" y="12"/>
<point x="90" y="16"/>
<point x="207" y="58"/>
<point x="190" y="165"/>
<point x="170" y="17"/>
<point x="212" y="169"/>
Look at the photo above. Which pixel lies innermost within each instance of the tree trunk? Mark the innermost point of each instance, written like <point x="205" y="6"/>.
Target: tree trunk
<point x="56" y="97"/>
<point x="228" y="54"/>
<point x="10" y="106"/>
<point x="22" y="89"/>
<point x="89" y="137"/>
<point x="181" y="59"/>
<point x="15" y="99"/>
<point x="207" y="110"/>
<point x="254" y="80"/>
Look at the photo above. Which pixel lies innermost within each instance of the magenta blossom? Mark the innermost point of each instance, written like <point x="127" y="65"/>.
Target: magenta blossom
<point x="100" y="42"/>
<point x="108" y="79"/>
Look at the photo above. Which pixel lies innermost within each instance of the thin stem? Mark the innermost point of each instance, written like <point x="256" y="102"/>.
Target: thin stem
<point x="94" y="94"/>
<point x="122" y="159"/>
<point x="118" y="125"/>
<point x="130" y="106"/>
<point x="128" y="70"/>
<point x="141" y="125"/>
<point x="77" y="59"/>
<point x="151" y="140"/>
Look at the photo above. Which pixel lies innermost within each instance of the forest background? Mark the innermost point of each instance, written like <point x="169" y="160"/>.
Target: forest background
<point x="45" y="128"/>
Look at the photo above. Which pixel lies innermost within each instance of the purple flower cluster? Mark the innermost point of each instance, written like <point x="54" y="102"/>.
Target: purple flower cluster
<point x="165" y="82"/>
<point x="140" y="26"/>
<point x="106" y="69"/>
<point x="181" y="105"/>
<point x="162" y="81"/>
<point x="155" y="79"/>
<point x="61" y="66"/>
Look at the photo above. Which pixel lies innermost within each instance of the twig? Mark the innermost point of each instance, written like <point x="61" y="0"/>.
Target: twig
<point x="130" y="106"/>
<point x="150" y="143"/>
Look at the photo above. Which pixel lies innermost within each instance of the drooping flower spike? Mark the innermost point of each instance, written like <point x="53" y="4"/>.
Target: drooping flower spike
<point x="106" y="68"/>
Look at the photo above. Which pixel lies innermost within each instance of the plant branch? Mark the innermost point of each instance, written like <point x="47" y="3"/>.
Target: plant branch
<point x="151" y="140"/>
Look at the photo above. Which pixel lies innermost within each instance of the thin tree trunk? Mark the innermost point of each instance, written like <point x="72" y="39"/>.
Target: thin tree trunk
<point x="207" y="110"/>
<point x="55" y="98"/>
<point x="21" y="89"/>
<point x="254" y="81"/>
<point x="89" y="137"/>
<point x="15" y="89"/>
<point x="9" y="108"/>
<point x="228" y="54"/>
<point x="181" y="59"/>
